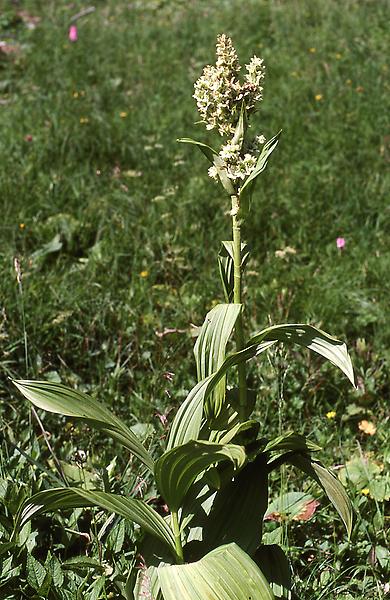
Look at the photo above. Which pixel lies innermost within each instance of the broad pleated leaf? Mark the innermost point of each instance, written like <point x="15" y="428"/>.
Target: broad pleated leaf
<point x="228" y="425"/>
<point x="226" y="267"/>
<point x="238" y="509"/>
<point x="130" y="508"/>
<point x="177" y="469"/>
<point x="210" y="347"/>
<point x="291" y="441"/>
<point x="188" y="419"/>
<point x="187" y="422"/>
<point x="274" y="564"/>
<point x="243" y="433"/>
<point x="314" y="339"/>
<point x="216" y="160"/>
<point x="329" y="483"/>
<point x="226" y="573"/>
<point x="57" y="398"/>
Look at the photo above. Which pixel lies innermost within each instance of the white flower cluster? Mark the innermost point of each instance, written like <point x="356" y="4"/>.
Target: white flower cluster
<point x="219" y="96"/>
<point x="219" y="93"/>
<point x="255" y="74"/>
<point x="238" y="166"/>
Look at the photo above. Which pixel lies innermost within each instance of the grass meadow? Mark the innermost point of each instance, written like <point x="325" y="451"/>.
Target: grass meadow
<point x="117" y="227"/>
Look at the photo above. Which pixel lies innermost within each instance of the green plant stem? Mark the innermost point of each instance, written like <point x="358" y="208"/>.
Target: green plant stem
<point x="176" y="532"/>
<point x="237" y="299"/>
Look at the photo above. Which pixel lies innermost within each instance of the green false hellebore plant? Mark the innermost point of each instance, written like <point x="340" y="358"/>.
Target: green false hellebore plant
<point x="213" y="475"/>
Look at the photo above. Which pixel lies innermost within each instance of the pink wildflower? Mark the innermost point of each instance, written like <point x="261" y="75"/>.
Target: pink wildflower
<point x="73" y="33"/>
<point x="340" y="243"/>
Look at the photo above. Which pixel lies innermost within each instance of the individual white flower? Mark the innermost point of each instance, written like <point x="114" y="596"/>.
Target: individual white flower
<point x="249" y="163"/>
<point x="230" y="152"/>
<point x="260" y="140"/>
<point x="213" y="173"/>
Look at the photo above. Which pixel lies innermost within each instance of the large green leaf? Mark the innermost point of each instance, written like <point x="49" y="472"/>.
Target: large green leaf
<point x="329" y="483"/>
<point x="57" y="398"/>
<point x="130" y="508"/>
<point x="210" y="347"/>
<point x="187" y="422"/>
<point x="226" y="573"/>
<point x="314" y="339"/>
<point x="226" y="267"/>
<point x="238" y="509"/>
<point x="240" y="433"/>
<point x="290" y="441"/>
<point x="177" y="469"/>
<point x="274" y="564"/>
<point x="188" y="419"/>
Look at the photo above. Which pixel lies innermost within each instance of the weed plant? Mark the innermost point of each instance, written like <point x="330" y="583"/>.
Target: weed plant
<point x="125" y="208"/>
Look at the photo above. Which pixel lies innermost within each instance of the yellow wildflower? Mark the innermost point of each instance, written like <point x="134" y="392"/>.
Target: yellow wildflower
<point x="318" y="97"/>
<point x="365" y="491"/>
<point x="123" y="114"/>
<point x="84" y="120"/>
<point x="22" y="225"/>
<point x="331" y="414"/>
<point x="312" y="50"/>
<point x="144" y="274"/>
<point x="75" y="94"/>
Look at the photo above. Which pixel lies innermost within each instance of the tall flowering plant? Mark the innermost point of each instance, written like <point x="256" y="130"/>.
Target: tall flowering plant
<point x="213" y="474"/>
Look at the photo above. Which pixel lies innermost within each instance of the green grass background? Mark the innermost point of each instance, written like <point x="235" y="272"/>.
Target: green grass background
<point x="117" y="226"/>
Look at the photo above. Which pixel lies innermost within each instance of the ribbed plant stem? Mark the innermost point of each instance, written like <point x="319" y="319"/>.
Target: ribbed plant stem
<point x="176" y="532"/>
<point x="237" y="299"/>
